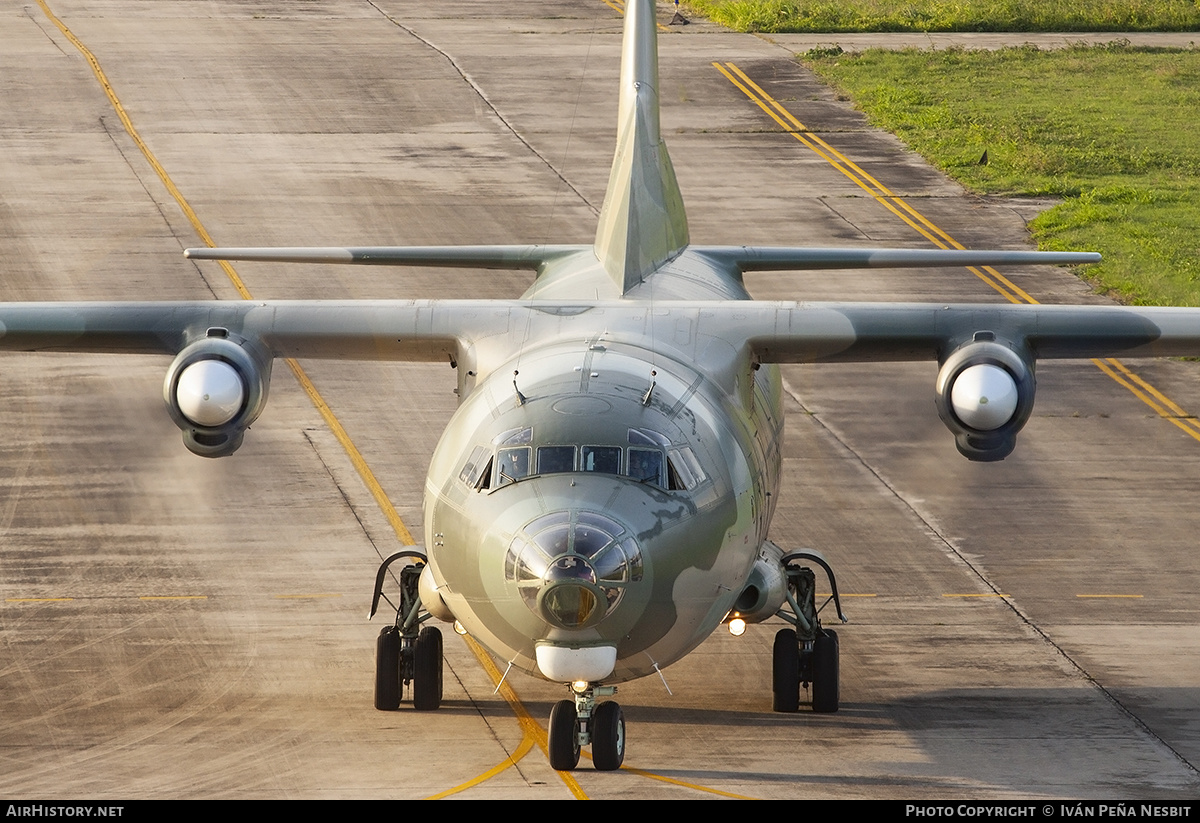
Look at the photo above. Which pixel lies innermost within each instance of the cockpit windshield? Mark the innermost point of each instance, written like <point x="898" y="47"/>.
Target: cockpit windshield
<point x="648" y="457"/>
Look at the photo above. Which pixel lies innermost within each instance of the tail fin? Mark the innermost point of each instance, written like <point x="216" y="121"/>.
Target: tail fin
<point x="642" y="224"/>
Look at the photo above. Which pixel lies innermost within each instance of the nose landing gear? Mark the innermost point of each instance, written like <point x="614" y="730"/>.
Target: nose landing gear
<point x="405" y="653"/>
<point x="807" y="654"/>
<point x="581" y="722"/>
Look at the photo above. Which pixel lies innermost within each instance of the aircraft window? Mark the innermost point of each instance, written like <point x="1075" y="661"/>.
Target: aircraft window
<point x="646" y="437"/>
<point x="610" y="564"/>
<point x="599" y="521"/>
<point x="485" y="477"/>
<point x="546" y="520"/>
<point x="475" y="464"/>
<point x="554" y="540"/>
<point x="589" y="541"/>
<point x="555" y="459"/>
<point x="572" y="571"/>
<point x="646" y="465"/>
<point x="686" y="468"/>
<point x="533" y="565"/>
<point x="605" y="459"/>
<point x="513" y="464"/>
<point x="514" y="437"/>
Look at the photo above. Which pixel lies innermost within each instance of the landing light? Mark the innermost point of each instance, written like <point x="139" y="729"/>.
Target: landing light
<point x="579" y="686"/>
<point x="737" y="627"/>
<point x="460" y="629"/>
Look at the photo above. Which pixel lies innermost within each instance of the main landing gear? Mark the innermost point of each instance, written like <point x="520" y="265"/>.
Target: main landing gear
<point x="580" y="722"/>
<point x="807" y="654"/>
<point x="405" y="653"/>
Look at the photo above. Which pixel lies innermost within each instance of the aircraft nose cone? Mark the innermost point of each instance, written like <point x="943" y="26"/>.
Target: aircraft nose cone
<point x="572" y="567"/>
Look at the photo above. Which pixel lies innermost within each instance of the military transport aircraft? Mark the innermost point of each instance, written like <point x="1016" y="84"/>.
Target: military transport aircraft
<point x="602" y="499"/>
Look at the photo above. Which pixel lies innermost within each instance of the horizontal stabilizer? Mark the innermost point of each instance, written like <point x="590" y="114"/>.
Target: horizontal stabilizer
<point x="471" y="257"/>
<point x="783" y="258"/>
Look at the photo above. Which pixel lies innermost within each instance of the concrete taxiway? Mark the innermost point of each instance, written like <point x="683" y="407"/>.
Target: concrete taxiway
<point x="178" y="627"/>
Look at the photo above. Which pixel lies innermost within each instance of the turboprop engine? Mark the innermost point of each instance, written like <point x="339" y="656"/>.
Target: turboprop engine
<point x="215" y="389"/>
<point x="984" y="396"/>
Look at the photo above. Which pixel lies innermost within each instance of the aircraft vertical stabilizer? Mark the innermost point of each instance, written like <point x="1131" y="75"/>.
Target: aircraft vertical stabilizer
<point x="642" y="224"/>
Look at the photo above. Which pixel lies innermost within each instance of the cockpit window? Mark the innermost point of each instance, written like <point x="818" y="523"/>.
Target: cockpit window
<point x="480" y="459"/>
<point x="649" y="458"/>
<point x="606" y="459"/>
<point x="646" y="465"/>
<point x="555" y="459"/>
<point x="686" y="468"/>
<point x="513" y="464"/>
<point x="648" y="437"/>
<point x="514" y="437"/>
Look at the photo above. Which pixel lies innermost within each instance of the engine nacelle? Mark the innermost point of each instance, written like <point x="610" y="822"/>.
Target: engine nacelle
<point x="215" y="389"/>
<point x="766" y="586"/>
<point x="985" y="396"/>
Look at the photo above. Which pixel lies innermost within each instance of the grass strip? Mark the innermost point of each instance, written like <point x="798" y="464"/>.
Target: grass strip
<point x="962" y="15"/>
<point x="1110" y="129"/>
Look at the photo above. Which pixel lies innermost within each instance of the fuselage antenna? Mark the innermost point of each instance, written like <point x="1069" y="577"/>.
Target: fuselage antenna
<point x="650" y="391"/>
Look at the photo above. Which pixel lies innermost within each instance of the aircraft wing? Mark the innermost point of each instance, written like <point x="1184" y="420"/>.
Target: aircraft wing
<point x="349" y="330"/>
<point x="217" y="384"/>
<point x="776" y="332"/>
<point x="847" y="332"/>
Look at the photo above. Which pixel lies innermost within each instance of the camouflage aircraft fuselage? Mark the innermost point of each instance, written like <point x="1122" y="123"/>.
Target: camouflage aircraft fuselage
<point x="601" y="499"/>
<point x="649" y="473"/>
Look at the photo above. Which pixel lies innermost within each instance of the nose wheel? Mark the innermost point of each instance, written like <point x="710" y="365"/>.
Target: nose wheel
<point x="582" y="722"/>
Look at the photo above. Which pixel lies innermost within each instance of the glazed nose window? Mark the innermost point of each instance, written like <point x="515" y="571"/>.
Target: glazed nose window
<point x="572" y="568"/>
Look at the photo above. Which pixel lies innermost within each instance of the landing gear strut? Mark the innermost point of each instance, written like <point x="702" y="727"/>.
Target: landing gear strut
<point x="807" y="654"/>
<point x="580" y="722"/>
<point x="405" y="653"/>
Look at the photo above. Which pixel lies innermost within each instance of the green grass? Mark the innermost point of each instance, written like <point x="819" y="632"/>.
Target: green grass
<point x="1113" y="130"/>
<point x="961" y="15"/>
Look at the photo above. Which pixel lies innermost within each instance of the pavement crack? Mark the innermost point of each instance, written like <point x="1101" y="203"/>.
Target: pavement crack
<point x="470" y="81"/>
<point x="345" y="497"/>
<point x="137" y="175"/>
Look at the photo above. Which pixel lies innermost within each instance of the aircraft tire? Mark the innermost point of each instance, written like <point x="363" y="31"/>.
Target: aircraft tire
<point x="388" y="687"/>
<point x="785" y="671"/>
<point x="608" y="737"/>
<point x="825" y="672"/>
<point x="427" y="670"/>
<point x="564" y="736"/>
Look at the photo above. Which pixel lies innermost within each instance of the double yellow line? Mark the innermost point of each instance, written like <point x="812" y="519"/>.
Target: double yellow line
<point x="1162" y="405"/>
